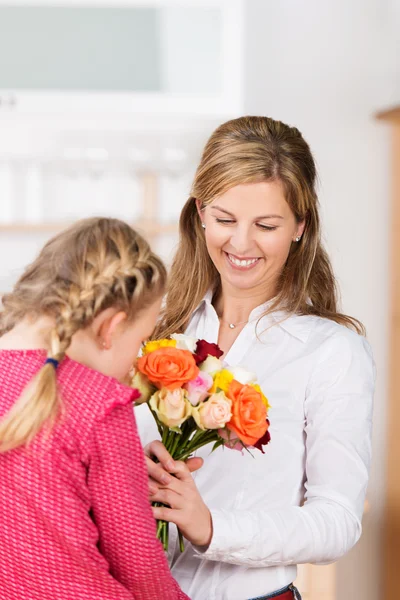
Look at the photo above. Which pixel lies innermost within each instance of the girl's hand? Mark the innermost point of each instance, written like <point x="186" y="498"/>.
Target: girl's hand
<point x="187" y="509"/>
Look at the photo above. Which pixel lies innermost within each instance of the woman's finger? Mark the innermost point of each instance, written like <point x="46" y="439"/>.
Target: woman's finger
<point x="195" y="463"/>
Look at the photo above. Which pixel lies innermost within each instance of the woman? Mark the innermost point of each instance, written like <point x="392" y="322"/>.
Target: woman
<point x="251" y="274"/>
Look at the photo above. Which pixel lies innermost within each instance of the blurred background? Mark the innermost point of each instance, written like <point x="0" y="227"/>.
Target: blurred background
<point x="105" y="106"/>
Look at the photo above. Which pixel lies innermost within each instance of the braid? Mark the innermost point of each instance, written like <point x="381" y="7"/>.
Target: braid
<point x="96" y="264"/>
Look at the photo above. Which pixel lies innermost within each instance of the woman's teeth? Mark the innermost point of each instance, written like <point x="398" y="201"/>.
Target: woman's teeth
<point x="242" y="263"/>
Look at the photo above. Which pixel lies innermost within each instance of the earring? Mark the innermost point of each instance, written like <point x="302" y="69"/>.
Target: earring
<point x="104" y="345"/>
<point x="203" y="225"/>
<point x="298" y="238"/>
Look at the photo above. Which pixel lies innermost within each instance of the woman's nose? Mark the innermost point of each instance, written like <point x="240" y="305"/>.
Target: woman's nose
<point x="241" y="240"/>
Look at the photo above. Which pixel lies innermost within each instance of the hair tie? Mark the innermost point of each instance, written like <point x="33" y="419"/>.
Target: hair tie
<point x="52" y="361"/>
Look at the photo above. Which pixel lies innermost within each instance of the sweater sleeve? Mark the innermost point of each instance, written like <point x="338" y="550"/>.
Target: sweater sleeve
<point x="117" y="479"/>
<point x="338" y="411"/>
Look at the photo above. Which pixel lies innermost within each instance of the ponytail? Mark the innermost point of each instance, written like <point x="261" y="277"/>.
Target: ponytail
<point x="38" y="404"/>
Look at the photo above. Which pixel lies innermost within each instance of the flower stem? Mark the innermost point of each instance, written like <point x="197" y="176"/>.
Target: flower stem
<point x="181" y="542"/>
<point x="197" y="442"/>
<point x="165" y="530"/>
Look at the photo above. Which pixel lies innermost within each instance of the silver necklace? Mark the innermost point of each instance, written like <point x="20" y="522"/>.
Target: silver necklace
<point x="234" y="325"/>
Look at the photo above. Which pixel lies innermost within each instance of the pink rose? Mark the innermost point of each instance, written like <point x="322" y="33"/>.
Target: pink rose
<point x="214" y="413"/>
<point x="231" y="440"/>
<point x="197" y="388"/>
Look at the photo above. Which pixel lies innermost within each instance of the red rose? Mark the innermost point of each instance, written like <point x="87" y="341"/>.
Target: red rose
<point x="263" y="441"/>
<point x="204" y="349"/>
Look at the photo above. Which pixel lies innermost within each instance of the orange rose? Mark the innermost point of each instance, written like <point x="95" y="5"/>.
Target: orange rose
<point x="168" y="367"/>
<point x="249" y="413"/>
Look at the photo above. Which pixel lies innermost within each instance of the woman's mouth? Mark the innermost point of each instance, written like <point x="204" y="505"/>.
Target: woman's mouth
<point x="243" y="264"/>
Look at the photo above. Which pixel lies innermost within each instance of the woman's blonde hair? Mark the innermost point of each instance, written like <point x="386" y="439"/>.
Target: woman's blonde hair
<point x="249" y="150"/>
<point x="94" y="265"/>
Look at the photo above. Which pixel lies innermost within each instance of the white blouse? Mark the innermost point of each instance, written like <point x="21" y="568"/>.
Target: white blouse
<point x="302" y="501"/>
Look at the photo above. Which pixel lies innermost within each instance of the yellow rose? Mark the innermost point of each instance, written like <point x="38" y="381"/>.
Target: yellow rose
<point x="222" y="381"/>
<point x="264" y="398"/>
<point x="171" y="407"/>
<point x="156" y="344"/>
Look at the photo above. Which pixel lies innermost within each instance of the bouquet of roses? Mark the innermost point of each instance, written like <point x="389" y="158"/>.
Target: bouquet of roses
<point x="195" y="400"/>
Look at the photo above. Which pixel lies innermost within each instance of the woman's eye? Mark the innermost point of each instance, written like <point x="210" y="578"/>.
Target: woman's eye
<point x="232" y="222"/>
<point x="267" y="227"/>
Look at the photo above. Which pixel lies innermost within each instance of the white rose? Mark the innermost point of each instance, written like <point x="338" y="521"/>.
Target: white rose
<point x="171" y="407"/>
<point x="185" y="342"/>
<point x="211" y="365"/>
<point x="242" y="375"/>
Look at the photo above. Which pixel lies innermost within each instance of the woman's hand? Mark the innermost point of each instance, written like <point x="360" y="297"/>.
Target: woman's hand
<point x="187" y="509"/>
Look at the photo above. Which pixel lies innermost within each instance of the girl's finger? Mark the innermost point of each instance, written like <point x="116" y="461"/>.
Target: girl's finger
<point x="175" y="485"/>
<point x="158" y="450"/>
<point x="165" y="496"/>
<point x="164" y="513"/>
<point x="153" y="489"/>
<point x="157" y="472"/>
<point x="181" y="471"/>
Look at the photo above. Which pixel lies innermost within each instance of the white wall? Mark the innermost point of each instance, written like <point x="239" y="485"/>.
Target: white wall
<point x="327" y="67"/>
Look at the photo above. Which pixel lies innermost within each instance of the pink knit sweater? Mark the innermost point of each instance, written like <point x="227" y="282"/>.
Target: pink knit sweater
<point x="75" y="518"/>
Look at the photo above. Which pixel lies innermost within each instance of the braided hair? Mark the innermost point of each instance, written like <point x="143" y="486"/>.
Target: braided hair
<point x="96" y="264"/>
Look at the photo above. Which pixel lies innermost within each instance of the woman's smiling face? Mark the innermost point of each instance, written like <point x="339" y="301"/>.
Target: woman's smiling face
<point x="249" y="231"/>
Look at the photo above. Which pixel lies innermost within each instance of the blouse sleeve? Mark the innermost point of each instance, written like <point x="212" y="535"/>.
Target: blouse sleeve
<point x="117" y="479"/>
<point x="338" y="411"/>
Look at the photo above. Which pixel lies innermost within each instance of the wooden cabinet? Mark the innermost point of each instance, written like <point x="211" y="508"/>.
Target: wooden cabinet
<point x="391" y="541"/>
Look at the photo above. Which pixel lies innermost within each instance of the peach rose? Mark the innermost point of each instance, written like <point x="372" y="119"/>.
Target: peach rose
<point x="168" y="367"/>
<point x="171" y="407"/>
<point x="249" y="413"/>
<point x="214" y="413"/>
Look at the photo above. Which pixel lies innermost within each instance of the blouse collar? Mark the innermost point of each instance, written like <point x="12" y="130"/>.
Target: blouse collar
<point x="298" y="326"/>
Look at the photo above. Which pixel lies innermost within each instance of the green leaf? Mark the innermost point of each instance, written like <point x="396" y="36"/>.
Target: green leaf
<point x="217" y="444"/>
<point x="176" y="430"/>
<point x="247" y="450"/>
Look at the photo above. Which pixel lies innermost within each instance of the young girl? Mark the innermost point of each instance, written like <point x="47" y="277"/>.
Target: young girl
<point x="75" y="519"/>
<point x="251" y="274"/>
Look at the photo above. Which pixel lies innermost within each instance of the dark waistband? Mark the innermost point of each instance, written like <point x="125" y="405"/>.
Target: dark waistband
<point x="289" y="592"/>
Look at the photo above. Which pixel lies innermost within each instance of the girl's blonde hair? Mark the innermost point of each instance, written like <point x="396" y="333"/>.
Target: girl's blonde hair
<point x="249" y="150"/>
<point x="95" y="264"/>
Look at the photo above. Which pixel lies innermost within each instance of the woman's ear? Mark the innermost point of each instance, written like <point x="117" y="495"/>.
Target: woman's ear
<point x="301" y="227"/>
<point x="199" y="208"/>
